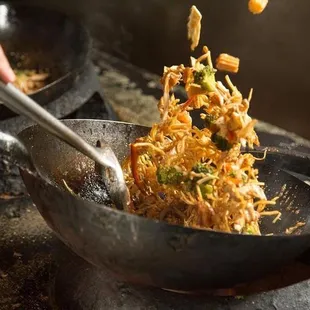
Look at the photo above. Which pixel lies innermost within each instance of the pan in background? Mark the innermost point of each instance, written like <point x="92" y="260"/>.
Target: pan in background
<point x="42" y="39"/>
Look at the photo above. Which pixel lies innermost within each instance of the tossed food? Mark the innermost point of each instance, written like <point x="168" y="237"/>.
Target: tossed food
<point x="199" y="177"/>
<point x="257" y="6"/>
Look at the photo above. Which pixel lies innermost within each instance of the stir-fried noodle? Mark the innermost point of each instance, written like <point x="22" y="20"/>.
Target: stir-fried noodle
<point x="199" y="177"/>
<point x="30" y="81"/>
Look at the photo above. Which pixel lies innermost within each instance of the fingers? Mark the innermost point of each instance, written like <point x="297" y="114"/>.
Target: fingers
<point x="7" y="75"/>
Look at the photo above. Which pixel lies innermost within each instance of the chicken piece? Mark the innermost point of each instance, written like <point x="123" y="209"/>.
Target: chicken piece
<point x="227" y="63"/>
<point x="257" y="6"/>
<point x="194" y="27"/>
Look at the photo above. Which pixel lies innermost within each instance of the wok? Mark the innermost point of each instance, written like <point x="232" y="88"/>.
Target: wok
<point x="146" y="251"/>
<point x="38" y="38"/>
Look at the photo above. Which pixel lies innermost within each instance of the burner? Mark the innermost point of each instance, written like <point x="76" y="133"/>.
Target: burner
<point x="38" y="272"/>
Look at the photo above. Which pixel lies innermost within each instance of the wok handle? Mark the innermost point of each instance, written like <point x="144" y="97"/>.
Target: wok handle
<point x="14" y="152"/>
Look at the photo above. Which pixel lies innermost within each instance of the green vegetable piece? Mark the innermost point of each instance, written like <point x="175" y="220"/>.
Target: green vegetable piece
<point x="244" y="178"/>
<point x="205" y="78"/>
<point x="232" y="174"/>
<point x="169" y="176"/>
<point x="202" y="168"/>
<point x="249" y="230"/>
<point x="209" y="120"/>
<point x="206" y="189"/>
<point x="189" y="185"/>
<point x="220" y="142"/>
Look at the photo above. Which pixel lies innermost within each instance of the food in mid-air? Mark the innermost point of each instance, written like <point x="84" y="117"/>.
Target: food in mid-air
<point x="199" y="177"/>
<point x="257" y="6"/>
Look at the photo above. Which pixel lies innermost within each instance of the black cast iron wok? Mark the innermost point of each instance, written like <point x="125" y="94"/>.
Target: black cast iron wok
<point x="146" y="251"/>
<point x="42" y="39"/>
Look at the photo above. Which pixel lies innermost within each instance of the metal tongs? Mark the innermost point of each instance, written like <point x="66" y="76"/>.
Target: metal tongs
<point x="104" y="157"/>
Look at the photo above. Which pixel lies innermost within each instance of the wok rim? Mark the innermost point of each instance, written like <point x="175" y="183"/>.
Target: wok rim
<point x="190" y="230"/>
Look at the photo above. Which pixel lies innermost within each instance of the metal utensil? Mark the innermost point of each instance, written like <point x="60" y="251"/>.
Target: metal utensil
<point x="111" y="170"/>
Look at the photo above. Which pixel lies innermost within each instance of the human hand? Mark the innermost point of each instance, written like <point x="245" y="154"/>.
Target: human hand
<point x="7" y="75"/>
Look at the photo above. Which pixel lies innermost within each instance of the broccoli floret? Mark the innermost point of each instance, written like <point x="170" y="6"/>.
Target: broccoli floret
<point x="169" y="176"/>
<point x="249" y="230"/>
<point x="209" y="120"/>
<point x="189" y="184"/>
<point x="206" y="189"/>
<point x="220" y="142"/>
<point x="202" y="168"/>
<point x="232" y="174"/>
<point x="205" y="78"/>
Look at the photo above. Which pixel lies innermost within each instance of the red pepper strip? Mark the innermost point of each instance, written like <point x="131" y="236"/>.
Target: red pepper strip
<point x="188" y="102"/>
<point x="134" y="166"/>
<point x="231" y="136"/>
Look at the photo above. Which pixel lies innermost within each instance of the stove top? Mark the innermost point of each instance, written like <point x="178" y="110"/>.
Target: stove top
<point x="86" y="88"/>
<point x="38" y="272"/>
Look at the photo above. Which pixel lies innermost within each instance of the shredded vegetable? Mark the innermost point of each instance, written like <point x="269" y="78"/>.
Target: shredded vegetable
<point x="194" y="27"/>
<point x="199" y="177"/>
<point x="290" y="230"/>
<point x="29" y="81"/>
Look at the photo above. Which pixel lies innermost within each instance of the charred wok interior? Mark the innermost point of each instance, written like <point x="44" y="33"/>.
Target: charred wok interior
<point x="75" y="174"/>
<point x="88" y="184"/>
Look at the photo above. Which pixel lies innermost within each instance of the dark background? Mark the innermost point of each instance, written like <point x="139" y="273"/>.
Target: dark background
<point x="274" y="47"/>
